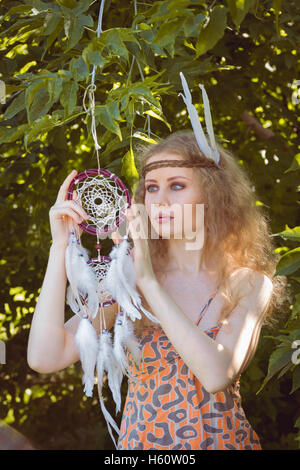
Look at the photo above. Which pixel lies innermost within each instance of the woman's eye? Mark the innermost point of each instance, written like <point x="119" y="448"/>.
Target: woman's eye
<point x="149" y="188"/>
<point x="178" y="184"/>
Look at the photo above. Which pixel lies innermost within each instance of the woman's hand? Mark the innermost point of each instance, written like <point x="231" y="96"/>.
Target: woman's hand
<point x="137" y="220"/>
<point x="65" y="213"/>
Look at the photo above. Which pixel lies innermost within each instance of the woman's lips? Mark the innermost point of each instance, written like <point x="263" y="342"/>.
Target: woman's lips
<point x="163" y="219"/>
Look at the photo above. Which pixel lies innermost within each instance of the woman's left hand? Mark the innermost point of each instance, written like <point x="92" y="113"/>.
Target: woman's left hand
<point x="136" y="217"/>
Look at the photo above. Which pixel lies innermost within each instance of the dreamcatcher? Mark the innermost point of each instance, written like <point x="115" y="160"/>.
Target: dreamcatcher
<point x="98" y="282"/>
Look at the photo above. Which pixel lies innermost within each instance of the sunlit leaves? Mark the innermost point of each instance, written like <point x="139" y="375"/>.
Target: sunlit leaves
<point x="239" y="9"/>
<point x="289" y="262"/>
<point x="213" y="31"/>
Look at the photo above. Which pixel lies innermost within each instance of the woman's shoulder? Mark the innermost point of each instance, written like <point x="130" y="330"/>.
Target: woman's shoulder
<point x="250" y="281"/>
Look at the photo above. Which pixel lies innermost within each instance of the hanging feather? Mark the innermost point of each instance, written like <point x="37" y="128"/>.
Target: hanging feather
<point x="82" y="279"/>
<point x="115" y="287"/>
<point x="109" y="420"/>
<point x="106" y="362"/>
<point x="124" y="336"/>
<point x="87" y="344"/>
<point x="127" y="276"/>
<point x="72" y="301"/>
<point x="70" y="255"/>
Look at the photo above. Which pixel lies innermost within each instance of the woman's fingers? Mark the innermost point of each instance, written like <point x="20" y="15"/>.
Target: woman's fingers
<point x="76" y="207"/>
<point x="63" y="190"/>
<point x="116" y="237"/>
<point x="59" y="212"/>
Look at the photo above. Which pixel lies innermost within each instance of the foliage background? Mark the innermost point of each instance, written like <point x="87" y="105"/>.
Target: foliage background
<point x="244" y="52"/>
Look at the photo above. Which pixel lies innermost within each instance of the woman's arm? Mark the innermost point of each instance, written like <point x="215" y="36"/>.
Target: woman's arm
<point x="216" y="363"/>
<point x="51" y="345"/>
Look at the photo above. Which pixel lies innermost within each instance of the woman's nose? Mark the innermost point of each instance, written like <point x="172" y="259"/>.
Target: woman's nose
<point x="162" y="197"/>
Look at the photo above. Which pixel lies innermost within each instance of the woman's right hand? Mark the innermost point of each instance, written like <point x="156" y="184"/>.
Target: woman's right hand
<point x="64" y="213"/>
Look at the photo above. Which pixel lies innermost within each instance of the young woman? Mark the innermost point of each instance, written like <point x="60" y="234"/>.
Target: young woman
<point x="211" y="300"/>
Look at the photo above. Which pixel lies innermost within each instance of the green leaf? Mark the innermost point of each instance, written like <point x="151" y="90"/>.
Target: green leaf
<point x="55" y="88"/>
<point x="31" y="92"/>
<point x="16" y="106"/>
<point x="239" y="9"/>
<point x="74" y="28"/>
<point x="78" y="69"/>
<point x="277" y="6"/>
<point x="213" y="32"/>
<point x="191" y="25"/>
<point x="128" y="167"/>
<point x="54" y="24"/>
<point x="157" y="116"/>
<point x="142" y="136"/>
<point x="45" y="124"/>
<point x="40" y="105"/>
<point x="296" y="379"/>
<point x="8" y="135"/>
<point x="288" y="263"/>
<point x="68" y="97"/>
<point x="289" y="233"/>
<point x="167" y="33"/>
<point x="105" y="116"/>
<point x="295" y="164"/>
<point x="116" y="44"/>
<point x="278" y="359"/>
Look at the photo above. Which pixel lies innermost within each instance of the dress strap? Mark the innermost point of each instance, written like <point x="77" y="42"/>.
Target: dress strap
<point x="205" y="307"/>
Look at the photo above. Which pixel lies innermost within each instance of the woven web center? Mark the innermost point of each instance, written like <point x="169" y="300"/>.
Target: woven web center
<point x="103" y="199"/>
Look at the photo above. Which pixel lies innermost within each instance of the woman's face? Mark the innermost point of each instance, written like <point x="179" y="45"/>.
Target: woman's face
<point x="173" y="192"/>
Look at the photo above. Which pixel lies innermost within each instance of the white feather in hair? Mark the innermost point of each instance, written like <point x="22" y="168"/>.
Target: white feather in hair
<point x="86" y="341"/>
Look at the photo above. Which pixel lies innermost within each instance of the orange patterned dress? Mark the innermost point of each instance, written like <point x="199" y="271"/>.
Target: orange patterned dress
<point x="169" y="409"/>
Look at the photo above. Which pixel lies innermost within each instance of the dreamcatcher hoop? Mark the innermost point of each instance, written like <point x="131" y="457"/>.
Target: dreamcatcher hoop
<point x="99" y="197"/>
<point x="100" y="211"/>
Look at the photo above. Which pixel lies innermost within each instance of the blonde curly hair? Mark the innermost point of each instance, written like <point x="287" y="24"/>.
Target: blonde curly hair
<point x="237" y="231"/>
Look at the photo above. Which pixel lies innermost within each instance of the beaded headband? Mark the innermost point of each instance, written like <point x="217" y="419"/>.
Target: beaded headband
<point x="208" y="163"/>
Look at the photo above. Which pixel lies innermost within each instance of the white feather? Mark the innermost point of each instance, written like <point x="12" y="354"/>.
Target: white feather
<point x="124" y="336"/>
<point x="86" y="342"/>
<point x="115" y="287"/>
<point x="209" y="125"/>
<point x="119" y="336"/>
<point x="69" y="257"/>
<point x="126" y="273"/>
<point x="81" y="276"/>
<point x="106" y="361"/>
<point x="196" y="124"/>
<point x="72" y="301"/>
<point x="109" y="421"/>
